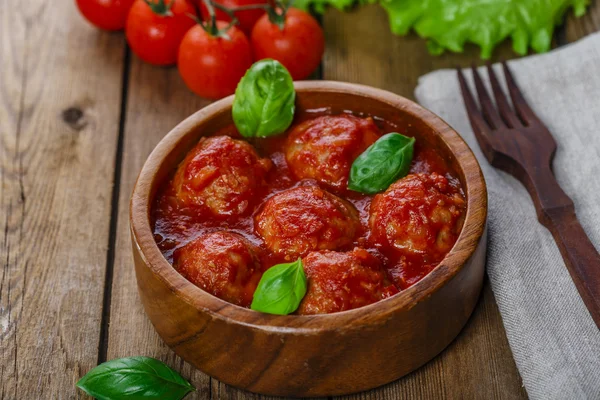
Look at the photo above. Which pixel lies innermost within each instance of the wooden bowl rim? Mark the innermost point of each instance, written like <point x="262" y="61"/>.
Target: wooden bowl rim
<point x="375" y="313"/>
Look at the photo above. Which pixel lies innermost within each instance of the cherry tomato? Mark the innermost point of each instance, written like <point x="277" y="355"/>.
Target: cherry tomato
<point x="299" y="45"/>
<point x="105" y="14"/>
<point x="154" y="32"/>
<point x="246" y="19"/>
<point x="212" y="66"/>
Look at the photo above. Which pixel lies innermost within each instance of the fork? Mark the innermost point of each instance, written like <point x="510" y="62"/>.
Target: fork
<point x="517" y="142"/>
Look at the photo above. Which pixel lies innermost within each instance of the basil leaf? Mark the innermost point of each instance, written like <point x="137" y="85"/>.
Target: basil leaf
<point x="280" y="289"/>
<point x="264" y="100"/>
<point x="134" y="378"/>
<point x="384" y="162"/>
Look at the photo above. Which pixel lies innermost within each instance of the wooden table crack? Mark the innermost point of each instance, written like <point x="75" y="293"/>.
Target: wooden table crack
<point x="114" y="213"/>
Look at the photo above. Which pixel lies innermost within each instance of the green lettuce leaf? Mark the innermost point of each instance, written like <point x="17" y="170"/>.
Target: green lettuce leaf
<point x="449" y="24"/>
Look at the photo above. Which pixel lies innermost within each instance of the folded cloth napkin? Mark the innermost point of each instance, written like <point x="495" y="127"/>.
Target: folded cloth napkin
<point x="554" y="341"/>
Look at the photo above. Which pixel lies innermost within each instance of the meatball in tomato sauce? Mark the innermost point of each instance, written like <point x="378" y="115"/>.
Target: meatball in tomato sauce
<point x="306" y="218"/>
<point x="222" y="263"/>
<point x="222" y="176"/>
<point x="324" y="148"/>
<point x="418" y="218"/>
<point x="343" y="281"/>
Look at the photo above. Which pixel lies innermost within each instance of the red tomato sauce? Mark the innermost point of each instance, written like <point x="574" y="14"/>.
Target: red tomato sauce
<point x="175" y="225"/>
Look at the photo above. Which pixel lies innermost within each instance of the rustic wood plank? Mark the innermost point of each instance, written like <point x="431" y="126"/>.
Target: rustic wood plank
<point x="60" y="91"/>
<point x="222" y="391"/>
<point x="360" y="48"/>
<point x="479" y="363"/>
<point x="576" y="28"/>
<point x="157" y="100"/>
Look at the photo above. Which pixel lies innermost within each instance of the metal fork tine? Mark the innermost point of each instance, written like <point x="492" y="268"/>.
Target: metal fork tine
<point x="487" y="107"/>
<point x="507" y="114"/>
<point x="480" y="127"/>
<point x="525" y="112"/>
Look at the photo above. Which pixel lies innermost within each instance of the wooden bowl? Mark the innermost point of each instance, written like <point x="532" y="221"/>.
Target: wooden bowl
<point x="317" y="355"/>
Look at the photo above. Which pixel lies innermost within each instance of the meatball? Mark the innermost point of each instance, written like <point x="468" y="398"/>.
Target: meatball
<point x="324" y="148"/>
<point x="306" y="218"/>
<point x="418" y="216"/>
<point x="222" y="175"/>
<point x="343" y="281"/>
<point x="222" y="263"/>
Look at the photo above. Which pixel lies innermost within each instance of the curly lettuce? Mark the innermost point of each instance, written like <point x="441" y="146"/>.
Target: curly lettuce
<point x="449" y="24"/>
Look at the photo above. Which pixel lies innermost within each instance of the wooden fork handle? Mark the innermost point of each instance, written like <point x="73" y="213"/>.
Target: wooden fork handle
<point x="556" y="212"/>
<point x="581" y="257"/>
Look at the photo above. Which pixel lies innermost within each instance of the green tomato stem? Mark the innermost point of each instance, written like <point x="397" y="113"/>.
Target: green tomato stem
<point x="277" y="16"/>
<point x="212" y="24"/>
<point x="276" y="9"/>
<point x="160" y="7"/>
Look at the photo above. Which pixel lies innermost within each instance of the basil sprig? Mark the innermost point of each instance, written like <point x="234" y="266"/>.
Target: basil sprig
<point x="264" y="100"/>
<point x="280" y="289"/>
<point x="134" y="378"/>
<point x="384" y="162"/>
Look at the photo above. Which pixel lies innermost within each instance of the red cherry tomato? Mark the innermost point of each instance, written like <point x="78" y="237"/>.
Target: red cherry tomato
<point x="246" y="19"/>
<point x="154" y="32"/>
<point x="298" y="46"/>
<point x="212" y="66"/>
<point x="105" y="14"/>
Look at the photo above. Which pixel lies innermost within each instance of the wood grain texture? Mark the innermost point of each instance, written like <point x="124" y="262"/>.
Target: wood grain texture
<point x="360" y="48"/>
<point x="576" y="28"/>
<point x="58" y="130"/>
<point x="157" y="100"/>
<point x="471" y="367"/>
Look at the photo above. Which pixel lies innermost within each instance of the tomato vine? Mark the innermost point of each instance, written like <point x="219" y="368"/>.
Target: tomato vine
<point x="275" y="9"/>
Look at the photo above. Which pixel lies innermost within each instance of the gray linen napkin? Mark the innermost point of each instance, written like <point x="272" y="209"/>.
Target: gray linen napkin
<point x="555" y="343"/>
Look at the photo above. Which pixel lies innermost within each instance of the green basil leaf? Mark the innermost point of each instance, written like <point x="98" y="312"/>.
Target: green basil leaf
<point x="264" y="100"/>
<point x="280" y="289"/>
<point x="134" y="378"/>
<point x="384" y="162"/>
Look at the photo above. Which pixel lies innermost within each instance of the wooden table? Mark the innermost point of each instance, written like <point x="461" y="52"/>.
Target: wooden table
<point x="78" y="116"/>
